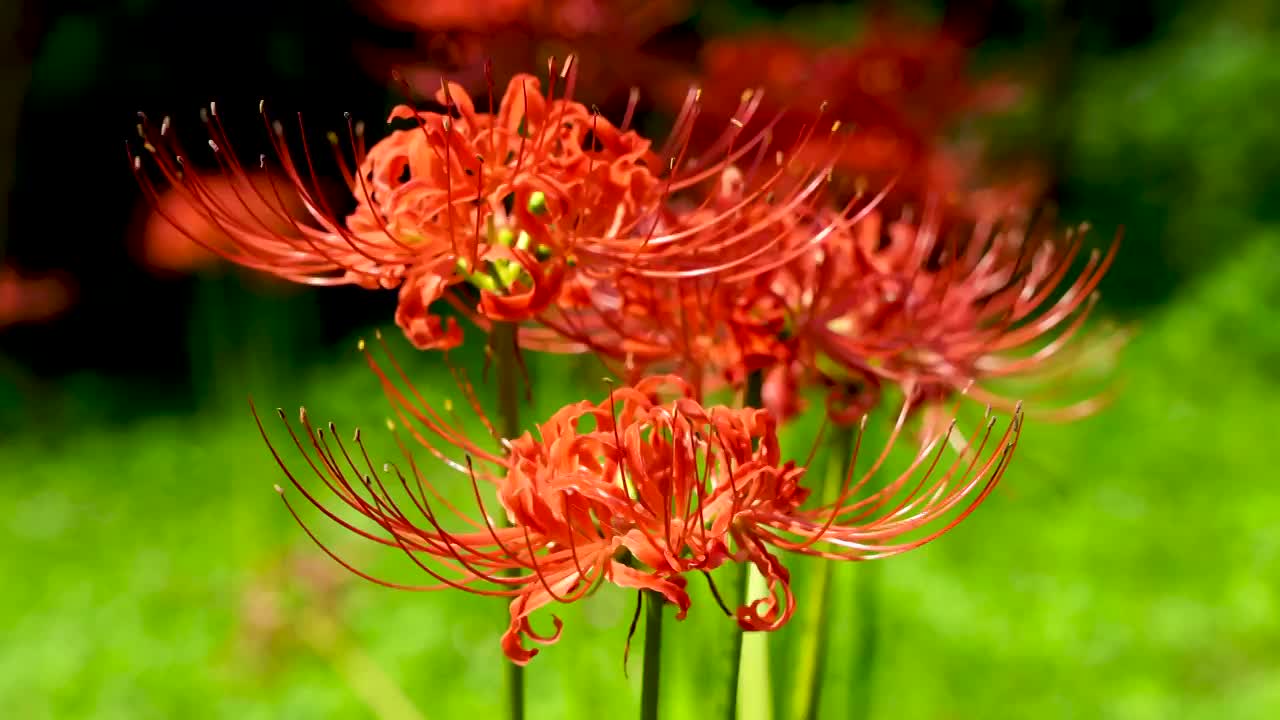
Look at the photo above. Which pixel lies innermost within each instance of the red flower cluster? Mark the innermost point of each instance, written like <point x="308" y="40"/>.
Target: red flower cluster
<point x="699" y="300"/>
<point x="743" y="258"/>
<point x="935" y="306"/>
<point x="714" y="262"/>
<point x="638" y="491"/>
<point x="526" y="205"/>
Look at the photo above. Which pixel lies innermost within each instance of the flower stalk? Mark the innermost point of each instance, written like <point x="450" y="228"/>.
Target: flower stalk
<point x="739" y="574"/>
<point x="755" y="691"/>
<point x="741" y="577"/>
<point x="814" y="641"/>
<point x="652" y="681"/>
<point x="502" y="345"/>
<point x="866" y="594"/>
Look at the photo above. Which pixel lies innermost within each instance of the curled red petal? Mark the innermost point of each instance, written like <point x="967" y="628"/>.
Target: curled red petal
<point x="413" y="313"/>
<point x="673" y="589"/>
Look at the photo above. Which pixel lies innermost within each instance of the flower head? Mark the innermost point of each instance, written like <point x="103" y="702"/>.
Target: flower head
<point x="510" y="203"/>
<point x="637" y="491"/>
<point x="942" y="304"/>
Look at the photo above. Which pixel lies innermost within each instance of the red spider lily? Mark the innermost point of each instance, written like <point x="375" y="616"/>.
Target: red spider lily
<point x="460" y="15"/>
<point x="713" y="333"/>
<point x="27" y="298"/>
<point x="166" y="237"/>
<point x="513" y="34"/>
<point x="637" y="491"/>
<point x="561" y="18"/>
<point x="511" y="202"/>
<point x="698" y="301"/>
<point x="901" y="87"/>
<point x="939" y="305"/>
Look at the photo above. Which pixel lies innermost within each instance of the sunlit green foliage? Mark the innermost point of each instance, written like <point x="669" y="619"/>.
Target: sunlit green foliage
<point x="1127" y="567"/>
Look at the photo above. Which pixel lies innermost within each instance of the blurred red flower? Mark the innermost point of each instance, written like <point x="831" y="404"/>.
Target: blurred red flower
<point x="897" y="90"/>
<point x="180" y="237"/>
<point x="30" y="298"/>
<point x="456" y="39"/>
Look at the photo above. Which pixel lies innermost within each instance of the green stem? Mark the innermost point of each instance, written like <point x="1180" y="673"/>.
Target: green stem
<point x="866" y="597"/>
<point x="755" y="694"/>
<point x="741" y="577"/>
<point x="815" y="636"/>
<point x="755" y="390"/>
<point x="652" y="681"/>
<point x="502" y="343"/>
<point x="739" y="592"/>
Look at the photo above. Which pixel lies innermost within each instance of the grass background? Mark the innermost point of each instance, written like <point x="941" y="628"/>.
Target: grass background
<point x="1127" y="568"/>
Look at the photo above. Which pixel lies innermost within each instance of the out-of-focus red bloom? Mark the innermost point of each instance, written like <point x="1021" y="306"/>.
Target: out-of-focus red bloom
<point x="176" y="235"/>
<point x="938" y="305"/>
<point x="637" y="491"/>
<point x="558" y="18"/>
<point x="26" y="298"/>
<point x="447" y="14"/>
<point x="898" y="87"/>
<point x="459" y="37"/>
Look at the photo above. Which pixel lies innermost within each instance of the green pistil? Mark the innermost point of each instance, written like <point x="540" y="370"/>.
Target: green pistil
<point x="538" y="202"/>
<point x="483" y="281"/>
<point x="502" y="274"/>
<point x="508" y="271"/>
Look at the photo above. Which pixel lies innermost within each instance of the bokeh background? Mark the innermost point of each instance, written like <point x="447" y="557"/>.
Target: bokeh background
<point x="1129" y="566"/>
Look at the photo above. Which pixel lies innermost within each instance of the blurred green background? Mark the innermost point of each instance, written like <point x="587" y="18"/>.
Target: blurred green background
<point x="1128" y="567"/>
